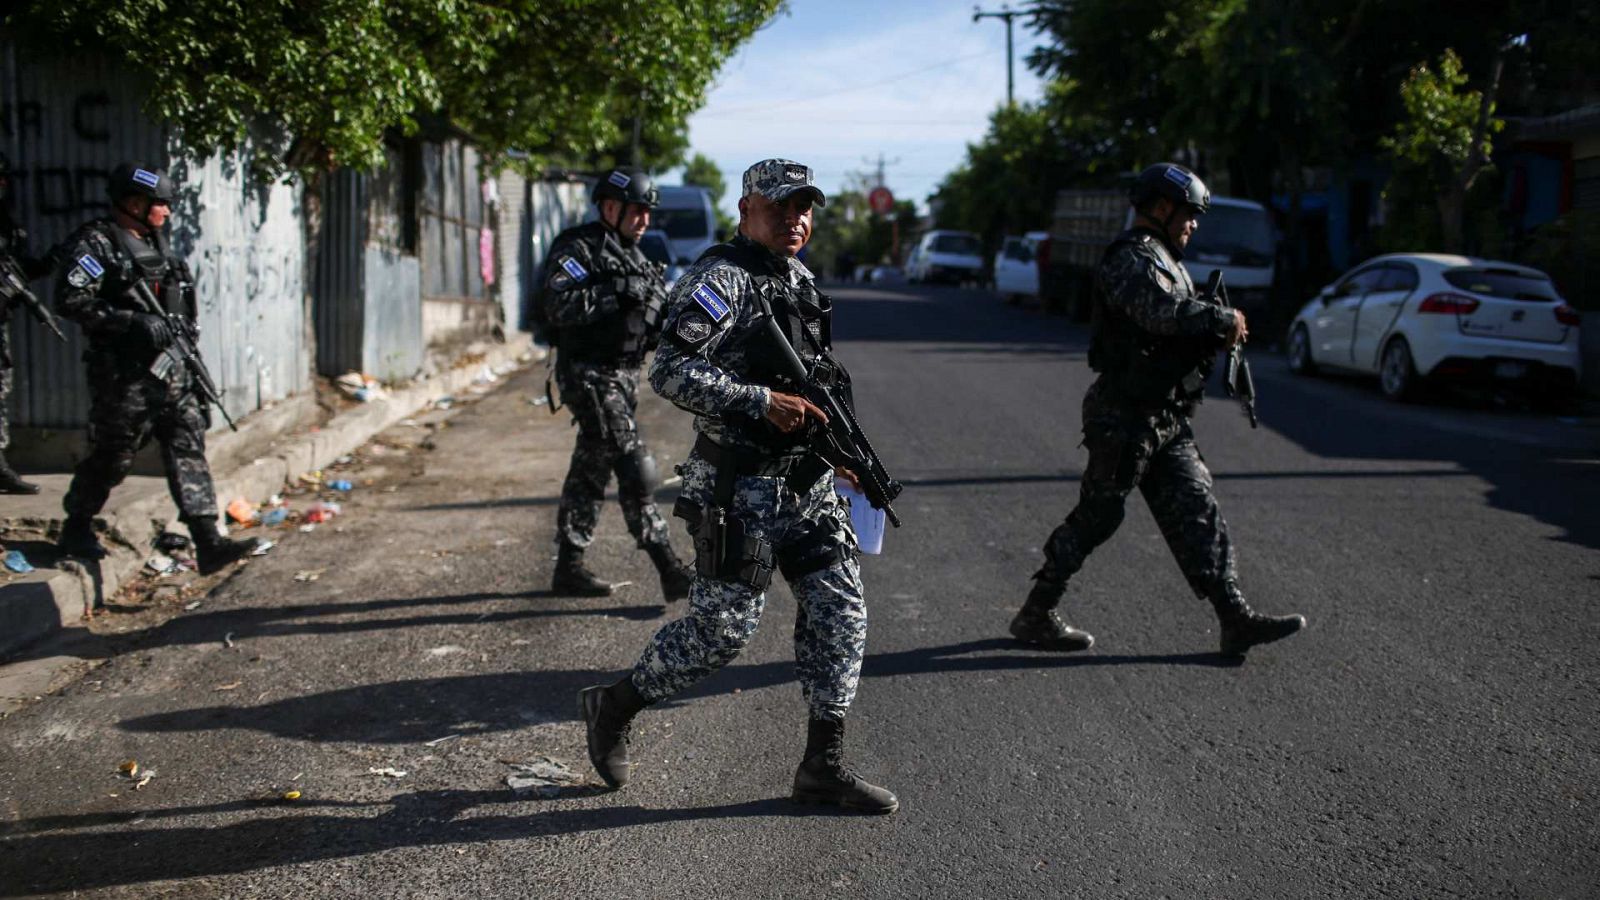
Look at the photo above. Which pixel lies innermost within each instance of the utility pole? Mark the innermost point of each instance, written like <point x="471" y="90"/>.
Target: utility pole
<point x="894" y="220"/>
<point x="1006" y="13"/>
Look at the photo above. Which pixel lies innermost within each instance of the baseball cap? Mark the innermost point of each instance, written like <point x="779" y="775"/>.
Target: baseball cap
<point x="776" y="179"/>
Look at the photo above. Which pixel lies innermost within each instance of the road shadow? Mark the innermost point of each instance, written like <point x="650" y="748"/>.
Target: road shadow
<point x="1347" y="419"/>
<point x="211" y="626"/>
<point x="415" y="710"/>
<point x="64" y="860"/>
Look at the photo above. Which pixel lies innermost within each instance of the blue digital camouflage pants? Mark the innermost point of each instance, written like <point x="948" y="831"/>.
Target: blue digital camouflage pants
<point x="1155" y="453"/>
<point x="603" y="400"/>
<point x="124" y="414"/>
<point x="830" y="631"/>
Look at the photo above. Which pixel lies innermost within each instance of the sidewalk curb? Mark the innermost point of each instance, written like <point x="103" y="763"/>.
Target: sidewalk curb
<point x="48" y="600"/>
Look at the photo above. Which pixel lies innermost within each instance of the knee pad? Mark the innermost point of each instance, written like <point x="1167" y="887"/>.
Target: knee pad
<point x="639" y="467"/>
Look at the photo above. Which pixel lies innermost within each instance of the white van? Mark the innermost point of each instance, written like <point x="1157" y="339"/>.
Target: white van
<point x="686" y="217"/>
<point x="1238" y="237"/>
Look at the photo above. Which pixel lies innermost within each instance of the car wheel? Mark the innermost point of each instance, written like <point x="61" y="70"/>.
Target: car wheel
<point x="1300" y="361"/>
<point x="1397" y="374"/>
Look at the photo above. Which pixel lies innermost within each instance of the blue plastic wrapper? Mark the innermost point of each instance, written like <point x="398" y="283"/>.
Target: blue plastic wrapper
<point x="18" y="563"/>
<point x="340" y="485"/>
<point x="274" y="516"/>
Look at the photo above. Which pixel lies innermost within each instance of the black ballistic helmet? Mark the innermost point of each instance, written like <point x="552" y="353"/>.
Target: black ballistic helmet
<point x="140" y="178"/>
<point x="1172" y="181"/>
<point x="628" y="185"/>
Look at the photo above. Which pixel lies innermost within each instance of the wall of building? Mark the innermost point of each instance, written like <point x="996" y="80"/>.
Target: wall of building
<point x="66" y="124"/>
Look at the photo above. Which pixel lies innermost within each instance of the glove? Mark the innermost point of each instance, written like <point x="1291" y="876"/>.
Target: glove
<point x="152" y="331"/>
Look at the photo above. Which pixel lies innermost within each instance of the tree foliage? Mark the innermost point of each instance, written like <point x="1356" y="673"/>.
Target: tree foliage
<point x="701" y="171"/>
<point x="313" y="83"/>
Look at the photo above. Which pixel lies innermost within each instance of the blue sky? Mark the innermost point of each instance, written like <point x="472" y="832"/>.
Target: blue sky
<point x="832" y="84"/>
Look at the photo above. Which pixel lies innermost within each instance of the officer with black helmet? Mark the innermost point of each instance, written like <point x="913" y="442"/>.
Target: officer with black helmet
<point x="128" y="404"/>
<point x="600" y="307"/>
<point x="1155" y="340"/>
<point x="13" y="245"/>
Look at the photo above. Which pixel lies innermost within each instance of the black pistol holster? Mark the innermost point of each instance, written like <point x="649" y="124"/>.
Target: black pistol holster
<point x="722" y="549"/>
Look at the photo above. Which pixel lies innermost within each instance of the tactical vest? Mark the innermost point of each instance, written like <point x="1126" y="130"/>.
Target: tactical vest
<point x="806" y="320"/>
<point x="1150" y="371"/>
<point x="147" y="261"/>
<point x="621" y="339"/>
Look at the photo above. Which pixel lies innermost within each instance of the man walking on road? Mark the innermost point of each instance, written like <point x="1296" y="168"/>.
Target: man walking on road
<point x="601" y="305"/>
<point x="754" y="494"/>
<point x="102" y="262"/>
<point x="1155" y="340"/>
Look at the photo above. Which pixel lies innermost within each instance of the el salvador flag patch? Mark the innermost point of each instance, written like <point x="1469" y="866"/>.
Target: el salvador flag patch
<point x="91" y="265"/>
<point x="710" y="302"/>
<point x="577" y="271"/>
<point x="146" y="178"/>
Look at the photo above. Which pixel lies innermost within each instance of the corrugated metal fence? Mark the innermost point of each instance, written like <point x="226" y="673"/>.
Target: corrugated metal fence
<point x="67" y="123"/>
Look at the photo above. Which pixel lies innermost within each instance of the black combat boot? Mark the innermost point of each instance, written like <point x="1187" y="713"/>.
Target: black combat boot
<point x="1243" y="627"/>
<point x="10" y="481"/>
<point x="78" y="539"/>
<point x="608" y="711"/>
<point x="1037" y="624"/>
<point x="572" y="578"/>
<point x="676" y="578"/>
<point x="824" y="778"/>
<point x="212" y="551"/>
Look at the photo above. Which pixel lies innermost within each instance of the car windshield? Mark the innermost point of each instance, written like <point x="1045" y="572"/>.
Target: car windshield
<point x="963" y="244"/>
<point x="1508" y="283"/>
<point x="680" y="223"/>
<point x="654" y="248"/>
<point x="1240" y="233"/>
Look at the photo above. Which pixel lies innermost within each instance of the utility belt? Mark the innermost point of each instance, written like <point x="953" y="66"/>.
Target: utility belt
<point x="723" y="551"/>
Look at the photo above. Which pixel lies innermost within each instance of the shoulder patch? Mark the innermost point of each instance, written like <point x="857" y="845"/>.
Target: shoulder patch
<point x="574" y="268"/>
<point x="693" y="328"/>
<point x="1161" y="276"/>
<point x="85" y="272"/>
<point x="711" y="302"/>
<point x="91" y="265"/>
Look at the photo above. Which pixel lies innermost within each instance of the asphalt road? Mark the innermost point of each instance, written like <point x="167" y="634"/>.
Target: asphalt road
<point x="1433" y="733"/>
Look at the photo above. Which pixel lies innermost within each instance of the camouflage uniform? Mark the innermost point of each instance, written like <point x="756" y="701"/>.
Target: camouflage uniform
<point x="127" y="405"/>
<point x="1155" y="338"/>
<point x="703" y="366"/>
<point x="604" y="299"/>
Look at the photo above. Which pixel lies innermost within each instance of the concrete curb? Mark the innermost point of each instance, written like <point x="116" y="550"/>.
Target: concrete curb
<point x="48" y="600"/>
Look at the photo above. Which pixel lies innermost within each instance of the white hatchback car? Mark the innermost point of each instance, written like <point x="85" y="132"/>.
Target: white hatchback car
<point x="1451" y="319"/>
<point x="1016" y="266"/>
<point x="949" y="256"/>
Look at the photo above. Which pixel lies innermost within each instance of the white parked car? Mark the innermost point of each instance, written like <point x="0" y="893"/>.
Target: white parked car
<point x="1016" y="266"/>
<point x="950" y="256"/>
<point x="1410" y="317"/>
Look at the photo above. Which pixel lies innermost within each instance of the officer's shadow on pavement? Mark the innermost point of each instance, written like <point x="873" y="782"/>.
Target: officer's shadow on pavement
<point x="415" y="710"/>
<point x="52" y="854"/>
<point x="307" y="619"/>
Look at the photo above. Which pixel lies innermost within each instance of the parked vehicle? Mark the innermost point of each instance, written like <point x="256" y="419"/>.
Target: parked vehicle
<point x="886" y="275"/>
<point x="1236" y="236"/>
<point x="686" y="217"/>
<point x="1016" y="266"/>
<point x="1415" y="317"/>
<point x="654" y="245"/>
<point x="946" y="256"/>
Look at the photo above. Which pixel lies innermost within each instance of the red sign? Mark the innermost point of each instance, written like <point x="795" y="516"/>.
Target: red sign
<point x="881" y="201"/>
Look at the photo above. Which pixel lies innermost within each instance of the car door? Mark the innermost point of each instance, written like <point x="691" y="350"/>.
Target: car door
<point x="1333" y="329"/>
<point x="1379" y="308"/>
<point x="1010" y="273"/>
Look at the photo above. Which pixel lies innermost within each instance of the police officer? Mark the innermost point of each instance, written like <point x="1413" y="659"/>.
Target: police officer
<point x="128" y="405"/>
<point x="1155" y="339"/>
<point x="14" y="247"/>
<point x="601" y="306"/>
<point x="753" y="491"/>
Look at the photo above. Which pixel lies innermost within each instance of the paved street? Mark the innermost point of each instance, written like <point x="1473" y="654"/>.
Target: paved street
<point x="1434" y="732"/>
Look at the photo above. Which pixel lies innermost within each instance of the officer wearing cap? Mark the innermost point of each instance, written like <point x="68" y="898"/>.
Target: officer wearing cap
<point x="754" y="496"/>
<point x="600" y="307"/>
<point x="1155" y="339"/>
<point x="100" y="263"/>
<point x="14" y="247"/>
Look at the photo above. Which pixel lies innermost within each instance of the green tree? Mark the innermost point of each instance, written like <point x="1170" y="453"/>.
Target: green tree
<point x="1445" y="140"/>
<point x="312" y="85"/>
<point x="702" y="172"/>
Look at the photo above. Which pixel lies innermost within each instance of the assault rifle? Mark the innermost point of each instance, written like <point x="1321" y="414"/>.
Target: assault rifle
<point x="14" y="288"/>
<point x="1237" y="381"/>
<point x="182" y="352"/>
<point x="841" y="441"/>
